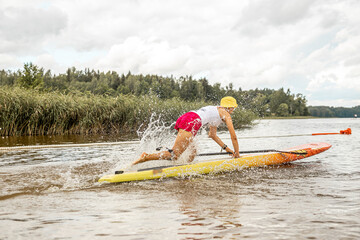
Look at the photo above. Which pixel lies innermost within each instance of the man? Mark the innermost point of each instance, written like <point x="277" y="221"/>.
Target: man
<point x="189" y="124"/>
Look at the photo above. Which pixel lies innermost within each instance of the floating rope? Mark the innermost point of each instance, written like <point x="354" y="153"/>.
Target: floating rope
<point x="31" y="147"/>
<point x="19" y="148"/>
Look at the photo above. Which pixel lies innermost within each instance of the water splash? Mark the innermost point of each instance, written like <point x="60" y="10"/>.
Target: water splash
<point x="157" y="134"/>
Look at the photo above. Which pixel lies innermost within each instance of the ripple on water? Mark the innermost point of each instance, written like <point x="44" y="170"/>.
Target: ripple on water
<point x="54" y="193"/>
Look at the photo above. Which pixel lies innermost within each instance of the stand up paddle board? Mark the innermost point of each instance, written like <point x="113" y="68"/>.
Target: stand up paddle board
<point x="217" y="166"/>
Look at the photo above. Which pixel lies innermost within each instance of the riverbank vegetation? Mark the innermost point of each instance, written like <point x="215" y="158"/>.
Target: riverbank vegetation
<point x="34" y="101"/>
<point x="328" y="112"/>
<point x="32" y="112"/>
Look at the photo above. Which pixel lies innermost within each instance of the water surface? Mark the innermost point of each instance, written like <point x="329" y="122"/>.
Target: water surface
<point x="54" y="194"/>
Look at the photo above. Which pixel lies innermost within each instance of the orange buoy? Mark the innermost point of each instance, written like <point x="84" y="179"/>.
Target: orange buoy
<point x="347" y="132"/>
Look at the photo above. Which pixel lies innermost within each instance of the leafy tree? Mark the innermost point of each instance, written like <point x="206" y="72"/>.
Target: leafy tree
<point x="31" y="76"/>
<point x="277" y="98"/>
<point x="283" y="110"/>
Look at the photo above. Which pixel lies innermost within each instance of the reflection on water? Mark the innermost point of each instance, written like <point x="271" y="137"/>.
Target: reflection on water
<point x="53" y="193"/>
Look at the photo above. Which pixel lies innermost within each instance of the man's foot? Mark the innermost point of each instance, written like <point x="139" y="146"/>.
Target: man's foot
<point x="141" y="159"/>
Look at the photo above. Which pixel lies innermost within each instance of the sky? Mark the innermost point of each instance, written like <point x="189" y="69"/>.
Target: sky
<point x="309" y="46"/>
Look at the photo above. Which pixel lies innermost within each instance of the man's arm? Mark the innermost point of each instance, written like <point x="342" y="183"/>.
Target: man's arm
<point x="225" y="116"/>
<point x="213" y="135"/>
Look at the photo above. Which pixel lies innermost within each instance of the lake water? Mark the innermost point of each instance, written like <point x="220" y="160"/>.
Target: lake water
<point x="54" y="194"/>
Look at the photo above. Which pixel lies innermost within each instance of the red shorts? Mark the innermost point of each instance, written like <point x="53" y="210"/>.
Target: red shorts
<point x="190" y="122"/>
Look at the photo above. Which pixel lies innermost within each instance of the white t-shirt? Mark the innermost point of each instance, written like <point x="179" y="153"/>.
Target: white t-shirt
<point x="209" y="115"/>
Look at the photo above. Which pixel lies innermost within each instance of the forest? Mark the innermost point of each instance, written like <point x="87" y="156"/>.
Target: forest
<point x="328" y="112"/>
<point x="263" y="102"/>
<point x="36" y="102"/>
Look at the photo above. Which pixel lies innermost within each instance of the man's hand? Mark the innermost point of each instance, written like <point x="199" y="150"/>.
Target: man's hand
<point x="235" y="155"/>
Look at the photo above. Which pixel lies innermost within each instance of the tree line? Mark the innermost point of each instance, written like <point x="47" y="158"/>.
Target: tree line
<point x="341" y="112"/>
<point x="262" y="102"/>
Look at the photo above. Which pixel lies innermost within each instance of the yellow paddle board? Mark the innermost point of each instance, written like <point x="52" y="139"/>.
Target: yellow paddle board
<point x="216" y="166"/>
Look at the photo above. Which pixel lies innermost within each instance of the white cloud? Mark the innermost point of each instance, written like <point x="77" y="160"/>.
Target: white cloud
<point x="254" y="43"/>
<point x="47" y="61"/>
<point x="151" y="57"/>
<point x="339" y="102"/>
<point x="23" y="29"/>
<point x="337" y="64"/>
<point x="9" y="61"/>
<point x="280" y="12"/>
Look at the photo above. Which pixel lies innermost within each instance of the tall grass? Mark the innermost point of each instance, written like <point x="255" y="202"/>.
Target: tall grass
<point x="29" y="112"/>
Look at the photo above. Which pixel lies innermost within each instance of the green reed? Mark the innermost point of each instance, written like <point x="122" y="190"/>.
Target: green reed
<point x="30" y="112"/>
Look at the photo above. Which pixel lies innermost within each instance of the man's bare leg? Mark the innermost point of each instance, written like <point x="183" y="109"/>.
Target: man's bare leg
<point x="164" y="155"/>
<point x="182" y="141"/>
<point x="192" y="152"/>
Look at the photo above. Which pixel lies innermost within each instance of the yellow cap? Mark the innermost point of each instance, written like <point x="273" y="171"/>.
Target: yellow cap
<point x="228" y="102"/>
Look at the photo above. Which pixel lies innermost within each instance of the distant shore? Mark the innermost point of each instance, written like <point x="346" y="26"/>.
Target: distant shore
<point x="290" y="117"/>
<point x="302" y="117"/>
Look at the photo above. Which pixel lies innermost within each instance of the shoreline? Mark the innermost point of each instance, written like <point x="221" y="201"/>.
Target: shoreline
<point x="292" y="117"/>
